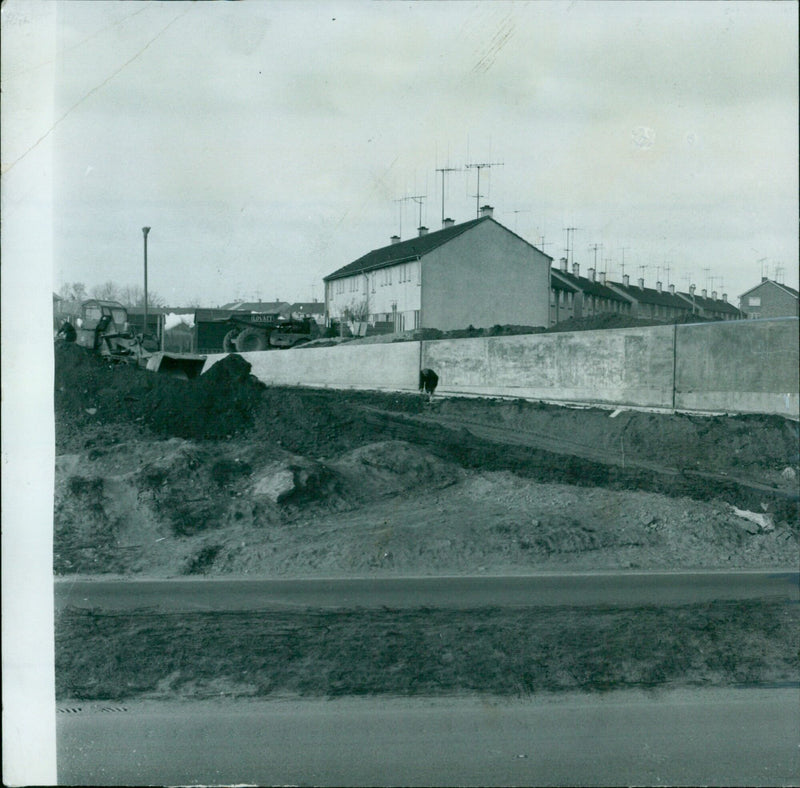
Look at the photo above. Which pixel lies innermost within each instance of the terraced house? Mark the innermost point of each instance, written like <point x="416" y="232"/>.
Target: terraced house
<point x="573" y="295"/>
<point x="770" y="299"/>
<point x="476" y="273"/>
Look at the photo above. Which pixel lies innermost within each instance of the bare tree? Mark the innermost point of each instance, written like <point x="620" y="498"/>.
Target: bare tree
<point x="108" y="291"/>
<point x="356" y="312"/>
<point x="73" y="291"/>
<point x="133" y="295"/>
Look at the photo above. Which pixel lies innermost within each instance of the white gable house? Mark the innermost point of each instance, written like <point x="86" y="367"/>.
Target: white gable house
<point x="476" y="273"/>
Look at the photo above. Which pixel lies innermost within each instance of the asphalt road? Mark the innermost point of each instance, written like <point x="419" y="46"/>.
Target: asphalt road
<point x="630" y="588"/>
<point x="700" y="737"/>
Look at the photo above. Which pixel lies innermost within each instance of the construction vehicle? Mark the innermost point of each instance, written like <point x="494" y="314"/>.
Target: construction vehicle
<point x="103" y="328"/>
<point x="267" y="331"/>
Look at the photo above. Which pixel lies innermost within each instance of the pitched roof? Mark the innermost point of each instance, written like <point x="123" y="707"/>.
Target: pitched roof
<point x="413" y="249"/>
<point x="557" y="283"/>
<point x="586" y="285"/>
<point x="788" y="289"/>
<point x="710" y="305"/>
<point x="649" y="295"/>
<point x="257" y="306"/>
<point x="308" y="307"/>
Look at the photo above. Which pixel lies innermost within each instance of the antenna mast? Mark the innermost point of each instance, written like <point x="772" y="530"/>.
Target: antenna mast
<point x="443" y="170"/>
<point x="569" y="230"/>
<point x="419" y="200"/>
<point x="406" y="199"/>
<point x="515" y="218"/>
<point x="594" y="248"/>
<point x="624" y="249"/>
<point x="480" y="167"/>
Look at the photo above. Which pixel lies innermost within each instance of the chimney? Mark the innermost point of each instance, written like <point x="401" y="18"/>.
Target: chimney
<point x="725" y="297"/>
<point x="422" y="231"/>
<point x="692" y="288"/>
<point x="641" y="284"/>
<point x="626" y="280"/>
<point x="395" y="239"/>
<point x="448" y="222"/>
<point x="563" y="264"/>
<point x="590" y="274"/>
<point x="487" y="210"/>
<point x="658" y="286"/>
<point x="672" y="289"/>
<point x="602" y="277"/>
<point x="763" y="278"/>
<point x="704" y="293"/>
<point x="714" y="295"/>
<point x="576" y="269"/>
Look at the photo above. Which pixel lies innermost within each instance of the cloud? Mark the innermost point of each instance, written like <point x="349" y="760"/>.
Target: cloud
<point x="323" y="116"/>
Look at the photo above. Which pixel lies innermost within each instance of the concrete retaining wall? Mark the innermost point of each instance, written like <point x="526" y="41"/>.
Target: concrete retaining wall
<point x="391" y="367"/>
<point x="739" y="366"/>
<point x="627" y="366"/>
<point x="736" y="367"/>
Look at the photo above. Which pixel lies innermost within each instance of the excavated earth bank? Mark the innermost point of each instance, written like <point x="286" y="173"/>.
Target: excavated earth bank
<point x="158" y="476"/>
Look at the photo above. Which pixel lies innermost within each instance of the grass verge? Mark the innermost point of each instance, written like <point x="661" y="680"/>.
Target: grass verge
<point x="423" y="651"/>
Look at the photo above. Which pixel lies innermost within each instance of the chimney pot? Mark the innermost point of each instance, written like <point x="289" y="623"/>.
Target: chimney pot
<point x="448" y="222"/>
<point x="395" y="239"/>
<point x="422" y="231"/>
<point x="487" y="210"/>
<point x="626" y="280"/>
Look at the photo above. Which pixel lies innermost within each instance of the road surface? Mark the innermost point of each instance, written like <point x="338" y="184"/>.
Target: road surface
<point x="629" y="588"/>
<point x="699" y="737"/>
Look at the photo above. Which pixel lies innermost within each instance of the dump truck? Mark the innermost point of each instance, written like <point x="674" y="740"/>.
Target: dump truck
<point x="267" y="331"/>
<point x="103" y="328"/>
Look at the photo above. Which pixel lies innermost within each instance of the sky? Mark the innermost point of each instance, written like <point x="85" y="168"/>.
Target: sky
<point x="267" y="144"/>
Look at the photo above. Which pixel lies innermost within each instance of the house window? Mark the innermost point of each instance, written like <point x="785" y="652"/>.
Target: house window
<point x="754" y="301"/>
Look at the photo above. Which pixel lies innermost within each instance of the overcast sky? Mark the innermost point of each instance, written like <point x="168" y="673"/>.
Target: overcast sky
<point x="267" y="144"/>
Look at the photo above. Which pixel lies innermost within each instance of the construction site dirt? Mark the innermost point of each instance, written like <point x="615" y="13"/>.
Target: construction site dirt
<point x="163" y="477"/>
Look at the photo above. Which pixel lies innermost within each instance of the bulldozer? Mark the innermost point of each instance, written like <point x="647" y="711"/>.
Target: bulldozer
<point x="103" y="328"/>
<point x="267" y="331"/>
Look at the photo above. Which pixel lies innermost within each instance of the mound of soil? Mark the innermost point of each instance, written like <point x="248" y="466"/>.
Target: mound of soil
<point x="91" y="392"/>
<point x="221" y="474"/>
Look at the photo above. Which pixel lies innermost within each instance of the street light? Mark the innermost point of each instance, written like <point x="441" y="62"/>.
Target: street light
<point x="145" y="231"/>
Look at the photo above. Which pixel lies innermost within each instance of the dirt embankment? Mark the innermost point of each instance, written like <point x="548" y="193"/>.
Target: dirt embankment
<point x="161" y="476"/>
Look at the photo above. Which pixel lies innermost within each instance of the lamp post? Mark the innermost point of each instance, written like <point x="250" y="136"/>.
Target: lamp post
<point x="145" y="231"/>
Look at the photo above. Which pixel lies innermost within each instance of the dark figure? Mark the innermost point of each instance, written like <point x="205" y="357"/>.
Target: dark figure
<point x="67" y="332"/>
<point x="428" y="380"/>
